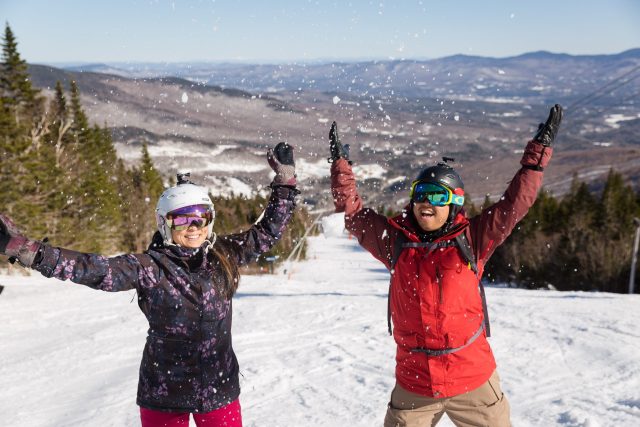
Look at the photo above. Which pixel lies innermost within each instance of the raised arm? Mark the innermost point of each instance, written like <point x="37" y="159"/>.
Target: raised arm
<point x="372" y="230"/>
<point x="119" y="273"/>
<point x="247" y="246"/>
<point x="490" y="228"/>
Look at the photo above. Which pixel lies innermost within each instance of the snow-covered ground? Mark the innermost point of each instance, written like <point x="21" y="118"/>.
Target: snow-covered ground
<point x="313" y="349"/>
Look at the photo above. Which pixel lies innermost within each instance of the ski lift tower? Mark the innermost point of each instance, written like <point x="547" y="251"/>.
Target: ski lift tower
<point x="634" y="256"/>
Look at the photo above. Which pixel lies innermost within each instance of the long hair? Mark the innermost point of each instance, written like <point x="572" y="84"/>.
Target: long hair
<point x="219" y="256"/>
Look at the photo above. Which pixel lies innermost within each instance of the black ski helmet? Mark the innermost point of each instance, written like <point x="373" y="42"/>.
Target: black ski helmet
<point x="443" y="174"/>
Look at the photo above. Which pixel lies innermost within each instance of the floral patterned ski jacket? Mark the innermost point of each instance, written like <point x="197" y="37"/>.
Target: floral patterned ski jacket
<point x="188" y="364"/>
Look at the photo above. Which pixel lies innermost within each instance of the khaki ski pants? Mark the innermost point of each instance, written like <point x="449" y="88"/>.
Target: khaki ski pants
<point x="484" y="406"/>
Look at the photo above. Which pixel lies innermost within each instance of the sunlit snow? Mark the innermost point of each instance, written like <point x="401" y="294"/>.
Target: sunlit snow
<point x="369" y="171"/>
<point x="227" y="186"/>
<point x="313" y="348"/>
<point x="613" y="120"/>
<point x="169" y="148"/>
<point x="306" y="170"/>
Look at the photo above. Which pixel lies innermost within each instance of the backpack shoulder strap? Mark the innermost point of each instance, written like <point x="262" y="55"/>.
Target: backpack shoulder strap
<point x="467" y="252"/>
<point x="397" y="250"/>
<point x="469" y="257"/>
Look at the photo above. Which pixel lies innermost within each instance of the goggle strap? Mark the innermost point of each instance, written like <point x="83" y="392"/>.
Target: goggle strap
<point x="457" y="200"/>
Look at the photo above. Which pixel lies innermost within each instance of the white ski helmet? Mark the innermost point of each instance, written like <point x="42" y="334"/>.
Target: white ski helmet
<point x="185" y="193"/>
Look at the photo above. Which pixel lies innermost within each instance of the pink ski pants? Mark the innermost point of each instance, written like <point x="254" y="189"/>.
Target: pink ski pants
<point x="227" y="416"/>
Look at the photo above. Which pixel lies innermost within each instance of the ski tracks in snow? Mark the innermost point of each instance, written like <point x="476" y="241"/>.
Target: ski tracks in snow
<point x="337" y="367"/>
<point x="567" y="359"/>
<point x="313" y="349"/>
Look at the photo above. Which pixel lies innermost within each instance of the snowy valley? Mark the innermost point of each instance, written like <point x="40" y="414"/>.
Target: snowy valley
<point x="217" y="120"/>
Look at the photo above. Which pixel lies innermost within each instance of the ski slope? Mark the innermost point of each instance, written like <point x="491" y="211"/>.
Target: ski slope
<point x="313" y="349"/>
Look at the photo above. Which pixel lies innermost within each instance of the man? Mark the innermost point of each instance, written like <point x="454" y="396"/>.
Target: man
<point x="436" y="256"/>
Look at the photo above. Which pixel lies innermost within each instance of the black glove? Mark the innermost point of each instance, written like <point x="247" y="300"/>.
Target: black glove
<point x="547" y="131"/>
<point x="338" y="151"/>
<point x="14" y="245"/>
<point x="281" y="161"/>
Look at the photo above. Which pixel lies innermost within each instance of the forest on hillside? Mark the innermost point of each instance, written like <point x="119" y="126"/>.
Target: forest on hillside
<point x="582" y="241"/>
<point x="61" y="179"/>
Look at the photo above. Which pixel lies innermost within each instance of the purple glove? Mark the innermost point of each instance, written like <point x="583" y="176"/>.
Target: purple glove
<point x="14" y="245"/>
<point x="281" y="161"/>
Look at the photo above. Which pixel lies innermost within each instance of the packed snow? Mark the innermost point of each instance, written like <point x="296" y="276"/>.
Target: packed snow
<point x="313" y="348"/>
<point x="613" y="120"/>
<point x="308" y="170"/>
<point x="228" y="186"/>
<point x="172" y="148"/>
<point x="374" y="170"/>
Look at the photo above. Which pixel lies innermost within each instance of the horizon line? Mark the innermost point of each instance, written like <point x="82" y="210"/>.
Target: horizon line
<point x="310" y="60"/>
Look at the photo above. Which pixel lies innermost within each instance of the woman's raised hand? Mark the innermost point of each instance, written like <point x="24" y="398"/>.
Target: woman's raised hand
<point x="281" y="161"/>
<point x="16" y="246"/>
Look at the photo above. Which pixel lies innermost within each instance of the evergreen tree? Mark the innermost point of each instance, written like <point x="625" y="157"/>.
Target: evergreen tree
<point x="98" y="190"/>
<point x="60" y="174"/>
<point x="613" y="254"/>
<point x="22" y="125"/>
<point x="13" y="143"/>
<point x="60" y="123"/>
<point x="469" y="207"/>
<point x="150" y="177"/>
<point x="139" y="193"/>
<point x="236" y="213"/>
<point x="15" y="83"/>
<point x="80" y="123"/>
<point x="618" y="205"/>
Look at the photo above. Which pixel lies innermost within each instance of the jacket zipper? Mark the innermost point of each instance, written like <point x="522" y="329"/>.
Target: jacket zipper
<point x="200" y="362"/>
<point x="440" y="293"/>
<point x="437" y="299"/>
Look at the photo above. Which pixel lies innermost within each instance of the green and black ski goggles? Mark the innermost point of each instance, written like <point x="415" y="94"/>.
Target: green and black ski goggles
<point x="435" y="194"/>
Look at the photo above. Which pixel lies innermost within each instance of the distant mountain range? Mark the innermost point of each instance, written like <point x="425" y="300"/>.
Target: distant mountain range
<point x="538" y="77"/>
<point x="218" y="119"/>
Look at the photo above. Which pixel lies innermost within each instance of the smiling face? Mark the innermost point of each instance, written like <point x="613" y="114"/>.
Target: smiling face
<point x="192" y="237"/>
<point x="429" y="217"/>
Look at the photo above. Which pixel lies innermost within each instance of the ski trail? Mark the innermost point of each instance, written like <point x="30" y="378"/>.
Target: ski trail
<point x="314" y="350"/>
<point x="339" y="367"/>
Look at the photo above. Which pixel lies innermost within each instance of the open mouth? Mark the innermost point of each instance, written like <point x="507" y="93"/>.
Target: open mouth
<point x="426" y="213"/>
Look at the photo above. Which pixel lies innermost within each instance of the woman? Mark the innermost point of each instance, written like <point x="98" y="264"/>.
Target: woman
<point x="436" y="255"/>
<point x="185" y="282"/>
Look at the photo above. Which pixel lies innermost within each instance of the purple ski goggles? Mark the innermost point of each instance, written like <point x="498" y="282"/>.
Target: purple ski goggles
<point x="197" y="215"/>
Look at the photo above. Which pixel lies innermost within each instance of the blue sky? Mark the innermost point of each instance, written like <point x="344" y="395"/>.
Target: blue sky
<point x="57" y="31"/>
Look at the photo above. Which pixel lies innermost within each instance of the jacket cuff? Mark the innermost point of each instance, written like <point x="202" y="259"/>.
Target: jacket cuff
<point x="46" y="260"/>
<point x="288" y="192"/>
<point x="536" y="156"/>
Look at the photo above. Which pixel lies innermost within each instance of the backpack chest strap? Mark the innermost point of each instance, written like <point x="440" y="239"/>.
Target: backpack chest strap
<point x="444" y="351"/>
<point x="463" y="245"/>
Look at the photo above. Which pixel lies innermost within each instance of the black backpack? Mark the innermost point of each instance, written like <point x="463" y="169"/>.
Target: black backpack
<point x="463" y="245"/>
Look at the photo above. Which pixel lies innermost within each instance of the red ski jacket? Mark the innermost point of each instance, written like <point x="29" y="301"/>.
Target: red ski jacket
<point x="435" y="298"/>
